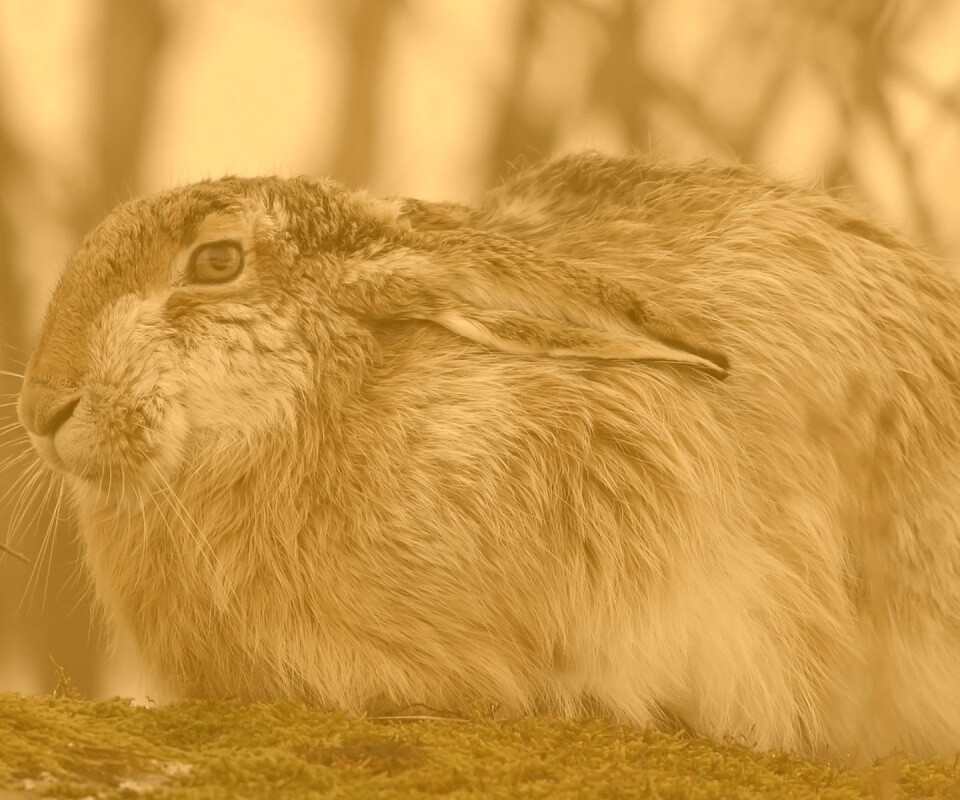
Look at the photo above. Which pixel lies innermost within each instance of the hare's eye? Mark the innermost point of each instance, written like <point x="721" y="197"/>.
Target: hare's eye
<point x="216" y="262"/>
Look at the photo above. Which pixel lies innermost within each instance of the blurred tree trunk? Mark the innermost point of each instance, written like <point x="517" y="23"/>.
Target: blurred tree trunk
<point x="520" y="132"/>
<point x="367" y="26"/>
<point x="130" y="47"/>
<point x="11" y="353"/>
<point x="132" y="40"/>
<point x="621" y="84"/>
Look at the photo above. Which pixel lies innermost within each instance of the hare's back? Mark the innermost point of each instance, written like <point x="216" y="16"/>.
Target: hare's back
<point x="788" y="282"/>
<point x="840" y="333"/>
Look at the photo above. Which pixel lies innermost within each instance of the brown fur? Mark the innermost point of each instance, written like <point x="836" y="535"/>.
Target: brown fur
<point x="660" y="440"/>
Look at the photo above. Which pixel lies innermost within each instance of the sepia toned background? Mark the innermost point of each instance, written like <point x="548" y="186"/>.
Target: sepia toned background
<point x="101" y="100"/>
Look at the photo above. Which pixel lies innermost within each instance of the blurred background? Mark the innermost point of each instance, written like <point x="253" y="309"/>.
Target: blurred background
<point x="101" y="100"/>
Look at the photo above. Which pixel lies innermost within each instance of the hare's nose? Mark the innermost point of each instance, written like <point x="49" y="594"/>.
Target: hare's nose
<point x="43" y="410"/>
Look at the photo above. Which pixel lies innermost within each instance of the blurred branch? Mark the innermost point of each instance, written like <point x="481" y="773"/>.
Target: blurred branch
<point x="519" y="132"/>
<point x="906" y="159"/>
<point x="746" y="143"/>
<point x="855" y="48"/>
<point x="946" y="101"/>
<point x="909" y="17"/>
<point x="628" y="85"/>
<point x="689" y="107"/>
<point x="879" y="39"/>
<point x="368" y="26"/>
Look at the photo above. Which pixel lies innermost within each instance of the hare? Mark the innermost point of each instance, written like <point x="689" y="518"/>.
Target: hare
<point x="660" y="442"/>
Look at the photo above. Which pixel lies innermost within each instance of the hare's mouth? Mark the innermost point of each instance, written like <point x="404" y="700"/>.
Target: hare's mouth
<point x="76" y="456"/>
<point x="103" y="446"/>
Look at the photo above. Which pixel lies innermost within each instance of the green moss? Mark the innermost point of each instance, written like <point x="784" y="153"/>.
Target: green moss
<point x="68" y="747"/>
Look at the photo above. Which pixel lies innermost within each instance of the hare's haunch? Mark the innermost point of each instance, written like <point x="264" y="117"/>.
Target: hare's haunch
<point x="664" y="442"/>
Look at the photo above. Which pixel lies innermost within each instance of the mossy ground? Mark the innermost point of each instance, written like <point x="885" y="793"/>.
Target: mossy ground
<point x="68" y="747"/>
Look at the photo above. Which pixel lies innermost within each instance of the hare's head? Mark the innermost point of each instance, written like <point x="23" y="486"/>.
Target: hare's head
<point x="192" y="316"/>
<point x="194" y="325"/>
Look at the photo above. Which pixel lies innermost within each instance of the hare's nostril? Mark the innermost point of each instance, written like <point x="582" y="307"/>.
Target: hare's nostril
<point x="48" y="424"/>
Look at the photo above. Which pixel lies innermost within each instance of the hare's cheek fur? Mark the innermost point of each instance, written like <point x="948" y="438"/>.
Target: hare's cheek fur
<point x="210" y="386"/>
<point x="242" y="369"/>
<point x="129" y="423"/>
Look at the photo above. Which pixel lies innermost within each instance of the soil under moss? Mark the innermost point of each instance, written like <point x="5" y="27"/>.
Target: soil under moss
<point x="73" y="748"/>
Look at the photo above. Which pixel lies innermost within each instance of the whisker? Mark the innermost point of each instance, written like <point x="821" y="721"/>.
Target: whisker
<point x="52" y="529"/>
<point x="15" y="553"/>
<point x="22" y="493"/>
<point x="187" y="519"/>
<point x="14" y="423"/>
<point x="21" y="442"/>
<point x="170" y="495"/>
<point x="146" y="539"/>
<point x="174" y="533"/>
<point x="109" y="492"/>
<point x="16" y="458"/>
<point x="30" y="591"/>
<point x="23" y="438"/>
<point x="25" y="483"/>
<point x="78" y="579"/>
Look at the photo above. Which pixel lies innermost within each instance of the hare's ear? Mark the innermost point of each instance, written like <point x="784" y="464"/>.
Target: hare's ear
<point x="513" y="314"/>
<point x="523" y="334"/>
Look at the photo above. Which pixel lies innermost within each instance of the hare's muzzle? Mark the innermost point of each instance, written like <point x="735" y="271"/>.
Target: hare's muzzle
<point x="43" y="411"/>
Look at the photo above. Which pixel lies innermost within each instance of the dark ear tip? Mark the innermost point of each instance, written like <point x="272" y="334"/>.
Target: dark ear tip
<point x="723" y="364"/>
<point x="714" y="367"/>
<point x="715" y="357"/>
<point x="718" y="365"/>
